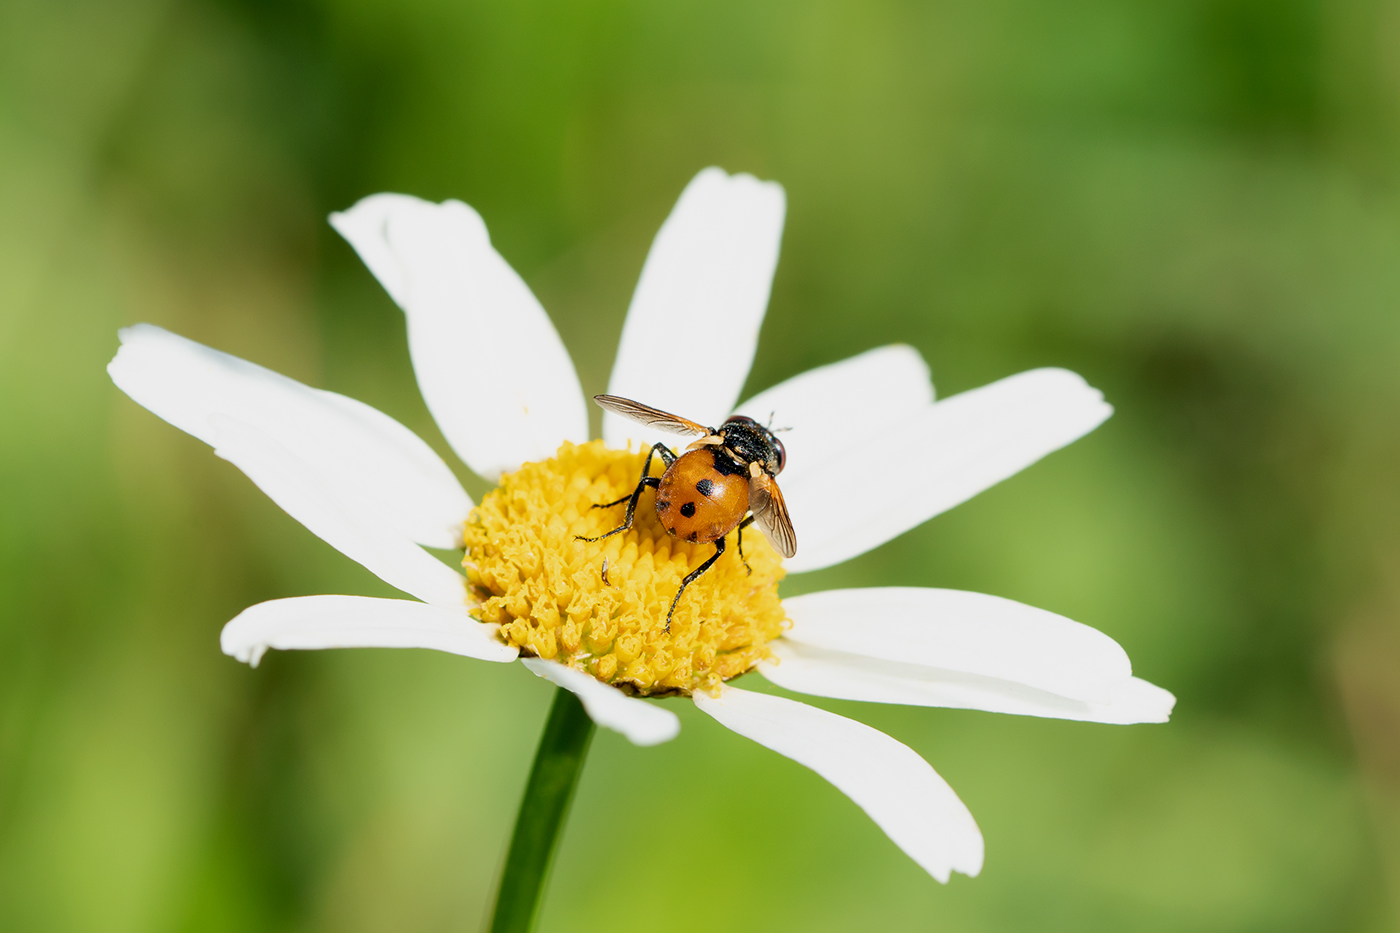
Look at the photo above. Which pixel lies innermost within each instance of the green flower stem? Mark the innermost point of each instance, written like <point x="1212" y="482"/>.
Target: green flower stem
<point x="558" y="763"/>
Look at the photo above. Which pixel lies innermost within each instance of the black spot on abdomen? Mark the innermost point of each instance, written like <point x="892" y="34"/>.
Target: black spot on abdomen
<point x="705" y="487"/>
<point x="688" y="510"/>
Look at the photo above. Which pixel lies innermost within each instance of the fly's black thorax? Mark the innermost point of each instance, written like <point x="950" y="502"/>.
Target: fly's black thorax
<point x="751" y="444"/>
<point x="725" y="462"/>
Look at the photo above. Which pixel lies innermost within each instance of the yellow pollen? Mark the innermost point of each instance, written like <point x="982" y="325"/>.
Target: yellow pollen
<point x="548" y="592"/>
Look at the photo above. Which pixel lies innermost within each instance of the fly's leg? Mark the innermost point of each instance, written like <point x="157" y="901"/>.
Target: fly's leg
<point x="692" y="577"/>
<point x="653" y="481"/>
<point x="742" y="525"/>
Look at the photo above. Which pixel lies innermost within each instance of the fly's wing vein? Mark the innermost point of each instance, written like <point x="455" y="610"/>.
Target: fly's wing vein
<point x="651" y="417"/>
<point x="770" y="514"/>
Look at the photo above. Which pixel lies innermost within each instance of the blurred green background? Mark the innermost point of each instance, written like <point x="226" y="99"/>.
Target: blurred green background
<point x="1191" y="202"/>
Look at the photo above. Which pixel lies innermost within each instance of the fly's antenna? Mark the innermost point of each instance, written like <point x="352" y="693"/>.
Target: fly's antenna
<point x="772" y="430"/>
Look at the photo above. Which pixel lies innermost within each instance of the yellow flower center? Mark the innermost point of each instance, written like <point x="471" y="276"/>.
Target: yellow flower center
<point x="553" y="598"/>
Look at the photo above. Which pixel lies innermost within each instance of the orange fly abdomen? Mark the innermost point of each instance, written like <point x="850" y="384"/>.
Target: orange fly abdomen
<point x="702" y="497"/>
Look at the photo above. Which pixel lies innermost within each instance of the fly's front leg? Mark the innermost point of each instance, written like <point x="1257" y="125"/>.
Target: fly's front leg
<point x="742" y="525"/>
<point x="653" y="481"/>
<point x="667" y="458"/>
<point x="692" y="577"/>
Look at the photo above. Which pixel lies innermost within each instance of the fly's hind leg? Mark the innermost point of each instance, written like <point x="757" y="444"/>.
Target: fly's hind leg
<point x="742" y="525"/>
<point x="653" y="481"/>
<point x="692" y="577"/>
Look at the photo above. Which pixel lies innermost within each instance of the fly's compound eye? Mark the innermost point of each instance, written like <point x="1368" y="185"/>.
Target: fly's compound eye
<point x="740" y="419"/>
<point x="782" y="453"/>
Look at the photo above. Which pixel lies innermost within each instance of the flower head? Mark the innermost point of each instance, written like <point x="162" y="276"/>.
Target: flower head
<point x="590" y="616"/>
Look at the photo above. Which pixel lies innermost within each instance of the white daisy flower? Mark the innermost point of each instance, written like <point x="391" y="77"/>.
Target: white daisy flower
<point x="589" y="616"/>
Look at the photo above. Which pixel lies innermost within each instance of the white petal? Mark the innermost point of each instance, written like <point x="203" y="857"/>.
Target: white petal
<point x="833" y="409"/>
<point x="701" y="297"/>
<point x="960" y="631"/>
<point x="312" y="622"/>
<point x="641" y="722"/>
<point x="889" y="781"/>
<point x="945" y="455"/>
<point x="373" y="462"/>
<point x="490" y="364"/>
<point x="308" y="498"/>
<point x="843" y="676"/>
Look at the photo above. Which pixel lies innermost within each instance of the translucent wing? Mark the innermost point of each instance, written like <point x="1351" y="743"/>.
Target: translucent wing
<point x="651" y="417"/>
<point x="770" y="514"/>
